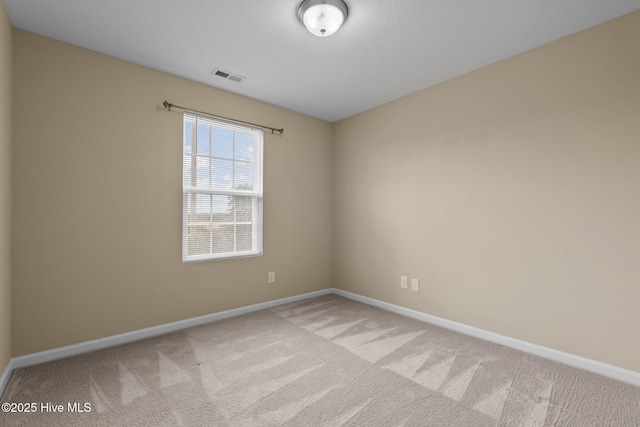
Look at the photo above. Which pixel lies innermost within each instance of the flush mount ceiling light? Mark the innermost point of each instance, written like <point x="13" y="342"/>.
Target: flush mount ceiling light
<point x="322" y="17"/>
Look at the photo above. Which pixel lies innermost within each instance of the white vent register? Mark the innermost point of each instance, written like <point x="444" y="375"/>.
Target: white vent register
<point x="227" y="75"/>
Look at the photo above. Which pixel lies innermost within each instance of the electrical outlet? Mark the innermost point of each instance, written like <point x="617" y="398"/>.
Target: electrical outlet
<point x="403" y="282"/>
<point x="272" y="277"/>
<point x="415" y="285"/>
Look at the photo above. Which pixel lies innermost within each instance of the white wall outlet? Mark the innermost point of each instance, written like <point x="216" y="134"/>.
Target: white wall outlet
<point x="272" y="277"/>
<point x="403" y="282"/>
<point x="415" y="285"/>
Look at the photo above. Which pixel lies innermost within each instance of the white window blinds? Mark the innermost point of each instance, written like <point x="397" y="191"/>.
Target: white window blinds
<point x="222" y="190"/>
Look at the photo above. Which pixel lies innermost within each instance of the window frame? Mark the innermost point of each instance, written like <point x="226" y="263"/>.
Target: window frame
<point x="256" y="193"/>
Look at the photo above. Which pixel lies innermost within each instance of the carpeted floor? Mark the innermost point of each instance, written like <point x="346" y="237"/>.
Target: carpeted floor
<point x="326" y="361"/>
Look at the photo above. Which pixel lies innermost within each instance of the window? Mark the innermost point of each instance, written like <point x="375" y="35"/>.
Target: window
<point x="222" y="190"/>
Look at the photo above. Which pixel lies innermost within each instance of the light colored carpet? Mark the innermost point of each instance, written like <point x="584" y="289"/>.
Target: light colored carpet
<point x="326" y="361"/>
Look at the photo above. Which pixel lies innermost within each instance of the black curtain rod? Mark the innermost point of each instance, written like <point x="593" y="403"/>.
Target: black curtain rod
<point x="169" y="106"/>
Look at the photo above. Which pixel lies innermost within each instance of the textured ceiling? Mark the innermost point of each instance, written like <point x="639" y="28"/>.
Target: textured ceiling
<point x="386" y="49"/>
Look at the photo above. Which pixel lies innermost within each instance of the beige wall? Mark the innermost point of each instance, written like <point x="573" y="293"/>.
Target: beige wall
<point x="5" y="188"/>
<point x="97" y="200"/>
<point x="512" y="193"/>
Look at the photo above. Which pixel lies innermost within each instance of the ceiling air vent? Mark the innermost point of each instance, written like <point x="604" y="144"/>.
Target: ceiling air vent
<point x="227" y="75"/>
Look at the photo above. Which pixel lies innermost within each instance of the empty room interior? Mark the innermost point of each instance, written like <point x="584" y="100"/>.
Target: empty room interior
<point x="439" y="223"/>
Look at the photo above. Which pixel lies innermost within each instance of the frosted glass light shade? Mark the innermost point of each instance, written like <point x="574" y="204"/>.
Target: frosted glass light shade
<point x="322" y="18"/>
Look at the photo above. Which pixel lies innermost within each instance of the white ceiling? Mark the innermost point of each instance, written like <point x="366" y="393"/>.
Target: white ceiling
<point x="386" y="49"/>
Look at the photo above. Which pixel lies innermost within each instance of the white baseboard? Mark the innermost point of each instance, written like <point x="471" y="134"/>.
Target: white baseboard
<point x="611" y="371"/>
<point x="615" y="372"/>
<point x="6" y="374"/>
<point x="100" y="343"/>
